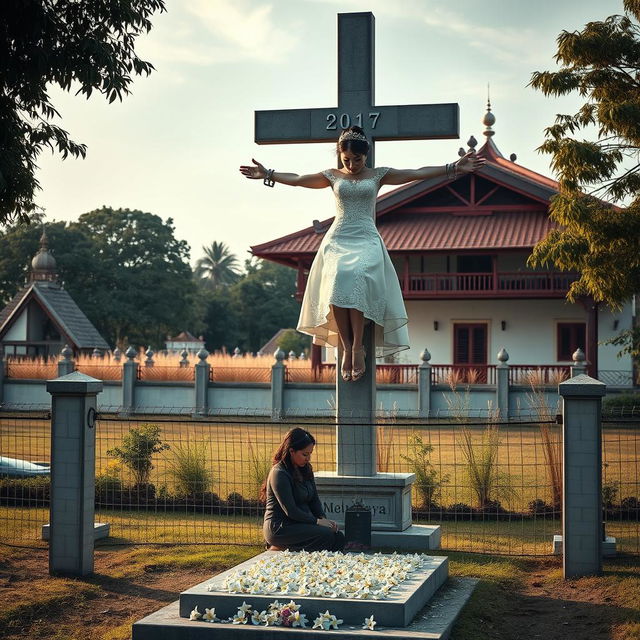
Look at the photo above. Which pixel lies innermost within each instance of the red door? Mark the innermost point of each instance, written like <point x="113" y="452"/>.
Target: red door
<point x="470" y="351"/>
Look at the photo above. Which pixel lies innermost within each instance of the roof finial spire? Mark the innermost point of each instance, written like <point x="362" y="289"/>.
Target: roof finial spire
<point x="489" y="119"/>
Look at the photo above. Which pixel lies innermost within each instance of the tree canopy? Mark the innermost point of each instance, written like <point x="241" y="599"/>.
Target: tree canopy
<point x="248" y="313"/>
<point x="125" y="269"/>
<point x="85" y="46"/>
<point x="598" y="204"/>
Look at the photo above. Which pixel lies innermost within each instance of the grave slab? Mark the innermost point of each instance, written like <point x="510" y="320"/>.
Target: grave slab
<point x="433" y="622"/>
<point x="395" y="611"/>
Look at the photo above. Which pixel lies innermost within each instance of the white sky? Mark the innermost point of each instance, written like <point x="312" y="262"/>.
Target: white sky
<point x="173" y="147"/>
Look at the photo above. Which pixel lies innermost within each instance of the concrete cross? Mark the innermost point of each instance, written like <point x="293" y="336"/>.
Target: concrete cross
<point x="356" y="102"/>
<point x="356" y="401"/>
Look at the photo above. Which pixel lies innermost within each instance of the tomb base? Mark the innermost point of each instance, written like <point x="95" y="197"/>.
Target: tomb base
<point x="434" y="621"/>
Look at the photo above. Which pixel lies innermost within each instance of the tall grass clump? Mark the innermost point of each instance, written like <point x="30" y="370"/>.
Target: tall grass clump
<point x="428" y="482"/>
<point x="488" y="484"/>
<point x="551" y="441"/>
<point x="385" y="436"/>
<point x="259" y="466"/>
<point x="189" y="471"/>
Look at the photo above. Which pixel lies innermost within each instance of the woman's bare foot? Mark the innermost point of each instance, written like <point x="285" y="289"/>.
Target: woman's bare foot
<point x="359" y="366"/>
<point x="274" y="548"/>
<point x="345" y="369"/>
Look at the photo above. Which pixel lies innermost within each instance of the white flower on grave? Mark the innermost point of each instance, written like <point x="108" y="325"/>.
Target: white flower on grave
<point x="240" y="618"/>
<point x="369" y="623"/>
<point x="335" y="622"/>
<point x="298" y="619"/>
<point x="275" y="606"/>
<point x="271" y="619"/>
<point x="244" y="608"/>
<point x="195" y="614"/>
<point x="318" y="623"/>
<point x="258" y="617"/>
<point x="209" y="615"/>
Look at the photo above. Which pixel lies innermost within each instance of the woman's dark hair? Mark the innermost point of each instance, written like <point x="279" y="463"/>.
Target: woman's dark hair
<point x="295" y="439"/>
<point x="352" y="144"/>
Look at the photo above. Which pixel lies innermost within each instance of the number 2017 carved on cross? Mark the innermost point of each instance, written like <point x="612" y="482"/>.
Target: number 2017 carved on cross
<point x="345" y="120"/>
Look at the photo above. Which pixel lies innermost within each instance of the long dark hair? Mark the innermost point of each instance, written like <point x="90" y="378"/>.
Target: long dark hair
<point x="296" y="439"/>
<point x="351" y="144"/>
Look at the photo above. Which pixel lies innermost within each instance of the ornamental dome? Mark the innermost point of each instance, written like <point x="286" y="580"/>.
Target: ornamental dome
<point x="43" y="264"/>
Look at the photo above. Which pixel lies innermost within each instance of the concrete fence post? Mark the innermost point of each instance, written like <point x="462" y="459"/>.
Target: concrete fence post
<point x="66" y="364"/>
<point x="129" y="379"/>
<point x="201" y="404"/>
<point x="582" y="476"/>
<point x="277" y="385"/>
<point x="502" y="384"/>
<point x="73" y="439"/>
<point x="424" y="385"/>
<point x="579" y="366"/>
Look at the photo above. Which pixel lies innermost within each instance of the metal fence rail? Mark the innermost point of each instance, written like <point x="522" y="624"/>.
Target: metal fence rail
<point x="492" y="487"/>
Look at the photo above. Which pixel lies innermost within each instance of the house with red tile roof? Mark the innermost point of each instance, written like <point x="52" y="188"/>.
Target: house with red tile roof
<point x="460" y="249"/>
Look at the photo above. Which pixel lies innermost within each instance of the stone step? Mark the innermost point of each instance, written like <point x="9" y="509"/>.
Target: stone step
<point x="395" y="611"/>
<point x="434" y="621"/>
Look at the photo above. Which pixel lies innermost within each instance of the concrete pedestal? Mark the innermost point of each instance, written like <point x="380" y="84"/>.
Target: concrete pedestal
<point x="388" y="495"/>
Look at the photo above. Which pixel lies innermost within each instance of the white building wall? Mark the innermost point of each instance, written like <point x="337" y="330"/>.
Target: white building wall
<point x="18" y="330"/>
<point x="529" y="338"/>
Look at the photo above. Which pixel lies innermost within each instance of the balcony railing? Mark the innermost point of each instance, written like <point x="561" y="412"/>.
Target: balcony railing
<point x="506" y="284"/>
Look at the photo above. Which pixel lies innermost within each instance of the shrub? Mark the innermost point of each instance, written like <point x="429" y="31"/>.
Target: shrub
<point x="108" y="483"/>
<point x="137" y="449"/>
<point x="540" y="507"/>
<point x="615" y="403"/>
<point x="609" y="493"/>
<point x="428" y="483"/>
<point x="24" y="492"/>
<point x="189" y="471"/>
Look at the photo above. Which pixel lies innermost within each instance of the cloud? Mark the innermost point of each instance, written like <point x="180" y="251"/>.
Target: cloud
<point x="506" y="44"/>
<point x="244" y="29"/>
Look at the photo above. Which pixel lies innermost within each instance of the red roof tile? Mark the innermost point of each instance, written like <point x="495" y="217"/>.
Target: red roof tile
<point x="438" y="232"/>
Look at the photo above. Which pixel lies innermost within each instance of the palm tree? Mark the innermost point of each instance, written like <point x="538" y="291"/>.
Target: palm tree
<point x="219" y="267"/>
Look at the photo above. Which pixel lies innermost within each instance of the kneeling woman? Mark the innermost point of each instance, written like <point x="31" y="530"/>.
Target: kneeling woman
<point x="294" y="518"/>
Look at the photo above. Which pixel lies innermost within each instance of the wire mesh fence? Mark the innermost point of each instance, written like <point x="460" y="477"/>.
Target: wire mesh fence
<point x="493" y="487"/>
<point x="621" y="477"/>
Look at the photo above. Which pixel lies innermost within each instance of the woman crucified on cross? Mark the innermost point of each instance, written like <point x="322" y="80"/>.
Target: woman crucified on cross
<point x="352" y="279"/>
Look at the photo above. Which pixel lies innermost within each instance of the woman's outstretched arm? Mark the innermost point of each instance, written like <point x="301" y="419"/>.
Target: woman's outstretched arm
<point x="258" y="172"/>
<point x="467" y="164"/>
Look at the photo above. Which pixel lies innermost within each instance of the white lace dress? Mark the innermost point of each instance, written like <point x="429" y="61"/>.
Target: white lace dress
<point x="352" y="269"/>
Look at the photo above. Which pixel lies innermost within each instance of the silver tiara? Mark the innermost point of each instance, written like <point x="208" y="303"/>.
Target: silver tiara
<point x="352" y="135"/>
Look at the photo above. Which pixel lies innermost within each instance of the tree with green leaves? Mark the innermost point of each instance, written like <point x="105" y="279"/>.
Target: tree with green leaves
<point x="85" y="46"/>
<point x="598" y="204"/>
<point x="248" y="313"/>
<point x="124" y="268"/>
<point x="219" y="267"/>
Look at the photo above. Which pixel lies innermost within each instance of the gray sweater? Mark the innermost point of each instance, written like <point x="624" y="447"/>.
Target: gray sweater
<point x="290" y="501"/>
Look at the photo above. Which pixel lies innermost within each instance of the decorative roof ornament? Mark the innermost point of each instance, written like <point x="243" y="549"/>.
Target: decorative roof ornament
<point x="472" y="143"/>
<point x="489" y="119"/>
<point x="43" y="265"/>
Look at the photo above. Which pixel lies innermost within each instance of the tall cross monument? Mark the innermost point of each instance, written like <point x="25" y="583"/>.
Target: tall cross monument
<point x="389" y="495"/>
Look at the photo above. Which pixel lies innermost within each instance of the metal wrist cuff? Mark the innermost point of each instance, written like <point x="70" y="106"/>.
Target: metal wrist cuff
<point x="268" y="179"/>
